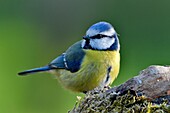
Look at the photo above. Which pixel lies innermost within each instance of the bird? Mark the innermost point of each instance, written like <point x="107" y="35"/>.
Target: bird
<point x="91" y="62"/>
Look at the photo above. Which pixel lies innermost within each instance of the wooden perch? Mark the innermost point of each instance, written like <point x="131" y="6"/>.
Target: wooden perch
<point x="146" y="93"/>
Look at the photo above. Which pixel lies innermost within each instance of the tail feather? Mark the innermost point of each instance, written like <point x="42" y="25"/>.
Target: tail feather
<point x="31" y="71"/>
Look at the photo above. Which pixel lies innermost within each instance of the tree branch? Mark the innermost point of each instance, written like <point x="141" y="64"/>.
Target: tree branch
<point x="148" y="92"/>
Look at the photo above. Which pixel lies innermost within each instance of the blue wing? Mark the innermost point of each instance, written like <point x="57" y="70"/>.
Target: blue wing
<point x="58" y="63"/>
<point x="71" y="59"/>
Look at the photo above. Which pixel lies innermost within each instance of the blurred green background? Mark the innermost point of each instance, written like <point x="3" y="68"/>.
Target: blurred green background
<point x="34" y="32"/>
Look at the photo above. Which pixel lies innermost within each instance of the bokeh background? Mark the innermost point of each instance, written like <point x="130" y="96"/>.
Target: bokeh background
<point x="34" y="32"/>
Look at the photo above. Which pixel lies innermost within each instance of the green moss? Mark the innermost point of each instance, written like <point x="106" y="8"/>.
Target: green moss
<point x="98" y="101"/>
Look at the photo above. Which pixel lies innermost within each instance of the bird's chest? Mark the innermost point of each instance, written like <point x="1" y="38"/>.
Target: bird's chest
<point x="100" y="59"/>
<point x="97" y="65"/>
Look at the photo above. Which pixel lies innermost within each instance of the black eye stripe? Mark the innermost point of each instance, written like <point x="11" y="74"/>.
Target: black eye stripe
<point x="98" y="36"/>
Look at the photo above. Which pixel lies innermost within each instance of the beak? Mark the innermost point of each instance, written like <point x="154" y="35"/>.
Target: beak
<point x="86" y="37"/>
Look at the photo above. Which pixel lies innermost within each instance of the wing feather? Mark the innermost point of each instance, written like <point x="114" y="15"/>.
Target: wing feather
<point x="71" y="59"/>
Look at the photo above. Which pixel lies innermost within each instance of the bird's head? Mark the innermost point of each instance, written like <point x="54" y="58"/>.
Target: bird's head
<point x="101" y="36"/>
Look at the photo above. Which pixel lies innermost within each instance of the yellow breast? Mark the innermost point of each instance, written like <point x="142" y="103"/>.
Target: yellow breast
<point x="93" y="71"/>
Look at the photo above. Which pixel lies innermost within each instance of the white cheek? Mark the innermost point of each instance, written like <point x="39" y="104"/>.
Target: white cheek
<point x="103" y="43"/>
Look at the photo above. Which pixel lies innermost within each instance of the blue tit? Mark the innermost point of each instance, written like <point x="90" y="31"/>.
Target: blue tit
<point x="94" y="61"/>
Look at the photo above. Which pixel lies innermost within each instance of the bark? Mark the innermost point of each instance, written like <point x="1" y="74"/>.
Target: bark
<point x="147" y="92"/>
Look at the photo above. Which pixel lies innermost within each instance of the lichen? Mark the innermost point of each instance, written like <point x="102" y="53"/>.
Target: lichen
<point x="100" y="101"/>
